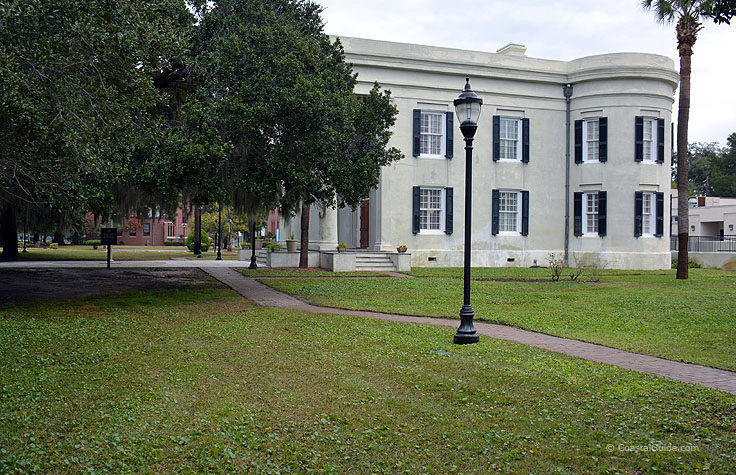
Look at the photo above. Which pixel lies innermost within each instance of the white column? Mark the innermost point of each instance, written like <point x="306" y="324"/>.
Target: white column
<point x="327" y="236"/>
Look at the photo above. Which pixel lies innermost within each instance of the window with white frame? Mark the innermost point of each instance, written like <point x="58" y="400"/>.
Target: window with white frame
<point x="432" y="134"/>
<point x="590" y="213"/>
<point x="591" y="136"/>
<point x="650" y="140"/>
<point x="648" y="215"/>
<point x="510" y="133"/>
<point x="509" y="211"/>
<point x="432" y="210"/>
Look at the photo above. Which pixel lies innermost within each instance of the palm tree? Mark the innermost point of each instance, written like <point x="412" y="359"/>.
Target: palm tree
<point x="687" y="15"/>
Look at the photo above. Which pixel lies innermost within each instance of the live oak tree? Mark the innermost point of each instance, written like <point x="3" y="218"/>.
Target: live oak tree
<point x="713" y="169"/>
<point x="687" y="15"/>
<point x="278" y="91"/>
<point x="75" y="90"/>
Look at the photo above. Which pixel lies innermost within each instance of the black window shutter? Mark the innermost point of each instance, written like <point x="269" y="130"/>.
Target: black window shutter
<point x="448" y="210"/>
<point x="639" y="138"/>
<point x="660" y="215"/>
<point x="578" y="214"/>
<point x="449" y="135"/>
<point x="525" y="140"/>
<point x="578" y="141"/>
<point x="496" y="137"/>
<point x="603" y="139"/>
<point x="660" y="140"/>
<point x="417" y="130"/>
<point x="494" y="212"/>
<point x="415" y="213"/>
<point x="524" y="213"/>
<point x="602" y="215"/>
<point x="638" y="199"/>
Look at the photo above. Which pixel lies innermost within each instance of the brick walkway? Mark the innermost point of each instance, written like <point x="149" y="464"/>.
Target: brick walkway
<point x="704" y="376"/>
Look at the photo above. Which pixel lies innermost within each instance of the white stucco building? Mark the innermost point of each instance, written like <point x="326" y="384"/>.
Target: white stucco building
<point x="591" y="174"/>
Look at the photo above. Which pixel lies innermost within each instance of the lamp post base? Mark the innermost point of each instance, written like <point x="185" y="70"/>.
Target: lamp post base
<point x="466" y="334"/>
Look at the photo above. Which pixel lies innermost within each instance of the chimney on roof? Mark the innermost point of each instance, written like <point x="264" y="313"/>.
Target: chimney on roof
<point x="513" y="49"/>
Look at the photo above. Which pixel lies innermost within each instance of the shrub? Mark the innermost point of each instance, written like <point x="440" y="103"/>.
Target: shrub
<point x="691" y="263"/>
<point x="556" y="265"/>
<point x="54" y="245"/>
<point x="593" y="266"/>
<point x="93" y="242"/>
<point x="272" y="246"/>
<point x="205" y="241"/>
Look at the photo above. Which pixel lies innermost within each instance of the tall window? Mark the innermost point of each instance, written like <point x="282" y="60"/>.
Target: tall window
<point x="431" y="209"/>
<point x="592" y="137"/>
<point x="648" y="215"/>
<point x="146" y="229"/>
<point x="510" y="139"/>
<point x="432" y="133"/>
<point x="590" y="214"/>
<point x="650" y="140"/>
<point x="508" y="211"/>
<point x="131" y="231"/>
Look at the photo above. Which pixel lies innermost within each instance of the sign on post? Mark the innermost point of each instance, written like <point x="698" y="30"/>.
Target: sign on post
<point x="109" y="237"/>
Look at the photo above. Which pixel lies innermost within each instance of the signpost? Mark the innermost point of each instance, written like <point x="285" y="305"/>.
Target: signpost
<point x="109" y="237"/>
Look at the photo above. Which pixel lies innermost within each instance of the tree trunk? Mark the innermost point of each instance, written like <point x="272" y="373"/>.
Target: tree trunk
<point x="683" y="117"/>
<point x="304" y="251"/>
<point x="9" y="233"/>
<point x="58" y="237"/>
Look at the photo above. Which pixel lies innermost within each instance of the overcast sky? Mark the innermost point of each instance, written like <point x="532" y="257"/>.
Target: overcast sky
<point x="555" y="29"/>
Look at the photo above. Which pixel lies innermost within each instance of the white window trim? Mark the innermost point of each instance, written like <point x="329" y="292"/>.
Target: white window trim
<point x="652" y="122"/>
<point x="585" y="140"/>
<point x="519" y="141"/>
<point x="519" y="207"/>
<point x="443" y="140"/>
<point x="443" y="211"/>
<point x="652" y="215"/>
<point x="585" y="214"/>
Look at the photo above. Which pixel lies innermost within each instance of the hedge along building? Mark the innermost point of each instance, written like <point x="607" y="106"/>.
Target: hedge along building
<point x="589" y="174"/>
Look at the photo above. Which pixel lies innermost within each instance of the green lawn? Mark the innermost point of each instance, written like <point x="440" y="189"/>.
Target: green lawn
<point x="645" y="312"/>
<point x="121" y="253"/>
<point x="305" y="273"/>
<point x="199" y="381"/>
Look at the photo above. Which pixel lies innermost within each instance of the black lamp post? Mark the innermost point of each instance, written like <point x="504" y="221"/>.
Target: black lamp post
<point x="467" y="108"/>
<point x="219" y="232"/>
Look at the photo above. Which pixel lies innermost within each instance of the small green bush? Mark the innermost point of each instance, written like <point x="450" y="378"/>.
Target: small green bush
<point x="54" y="245"/>
<point x="205" y="241"/>
<point x="272" y="246"/>
<point x="174" y="243"/>
<point x="691" y="264"/>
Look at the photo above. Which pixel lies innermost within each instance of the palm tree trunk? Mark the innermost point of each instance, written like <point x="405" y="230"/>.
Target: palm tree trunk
<point x="683" y="117"/>
<point x="304" y="251"/>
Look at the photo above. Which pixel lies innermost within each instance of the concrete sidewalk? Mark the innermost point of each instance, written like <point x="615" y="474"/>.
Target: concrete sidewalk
<point x="688" y="373"/>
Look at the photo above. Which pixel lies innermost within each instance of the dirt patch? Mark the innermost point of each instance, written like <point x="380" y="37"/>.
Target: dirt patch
<point x="22" y="285"/>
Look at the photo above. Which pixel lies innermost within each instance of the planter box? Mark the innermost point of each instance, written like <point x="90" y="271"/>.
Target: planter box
<point x="402" y="261"/>
<point x="337" y="261"/>
<point x="291" y="245"/>
<point x="244" y="254"/>
<point x="291" y="259"/>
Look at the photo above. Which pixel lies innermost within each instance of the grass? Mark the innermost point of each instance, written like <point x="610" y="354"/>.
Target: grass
<point x="199" y="381"/>
<point x="644" y="312"/>
<point x="265" y="273"/>
<point x="121" y="253"/>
